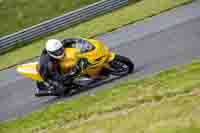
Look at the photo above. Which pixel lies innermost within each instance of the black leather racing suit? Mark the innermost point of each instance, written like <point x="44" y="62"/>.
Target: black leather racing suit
<point x="50" y="70"/>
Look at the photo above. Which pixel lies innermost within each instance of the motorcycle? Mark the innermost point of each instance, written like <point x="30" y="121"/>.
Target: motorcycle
<point x="101" y="61"/>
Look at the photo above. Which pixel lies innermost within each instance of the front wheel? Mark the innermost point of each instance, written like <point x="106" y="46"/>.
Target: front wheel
<point x="121" y="66"/>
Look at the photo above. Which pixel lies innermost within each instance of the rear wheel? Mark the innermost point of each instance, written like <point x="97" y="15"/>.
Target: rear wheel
<point x="121" y="66"/>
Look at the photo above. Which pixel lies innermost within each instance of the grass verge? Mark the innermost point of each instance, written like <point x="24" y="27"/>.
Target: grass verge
<point x="19" y="14"/>
<point x="129" y="14"/>
<point x="167" y="102"/>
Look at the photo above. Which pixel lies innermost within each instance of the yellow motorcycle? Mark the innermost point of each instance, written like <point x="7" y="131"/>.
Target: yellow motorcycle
<point x="101" y="61"/>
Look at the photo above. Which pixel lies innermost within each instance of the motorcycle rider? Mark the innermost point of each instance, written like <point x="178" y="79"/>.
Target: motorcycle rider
<point x="49" y="63"/>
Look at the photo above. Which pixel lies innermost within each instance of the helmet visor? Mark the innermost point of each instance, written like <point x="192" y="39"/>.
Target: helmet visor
<point x="58" y="52"/>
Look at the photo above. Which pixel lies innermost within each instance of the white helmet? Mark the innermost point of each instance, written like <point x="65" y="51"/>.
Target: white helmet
<point x="55" y="48"/>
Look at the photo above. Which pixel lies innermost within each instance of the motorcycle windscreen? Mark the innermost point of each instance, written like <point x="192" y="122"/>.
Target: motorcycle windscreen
<point x="30" y="70"/>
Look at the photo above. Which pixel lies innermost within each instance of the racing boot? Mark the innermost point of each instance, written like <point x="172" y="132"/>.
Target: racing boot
<point x="43" y="89"/>
<point x="58" y="88"/>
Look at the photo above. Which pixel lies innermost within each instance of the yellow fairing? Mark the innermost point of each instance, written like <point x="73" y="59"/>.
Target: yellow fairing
<point x="97" y="58"/>
<point x="30" y="71"/>
<point x="69" y="60"/>
<point x="99" y="51"/>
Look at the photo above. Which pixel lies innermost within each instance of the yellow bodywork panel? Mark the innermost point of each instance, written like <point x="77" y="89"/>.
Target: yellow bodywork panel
<point x="69" y="60"/>
<point x="30" y="70"/>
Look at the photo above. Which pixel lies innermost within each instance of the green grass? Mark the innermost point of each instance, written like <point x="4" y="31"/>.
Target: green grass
<point x="167" y="102"/>
<point x="129" y="14"/>
<point x="18" y="14"/>
<point x="173" y="115"/>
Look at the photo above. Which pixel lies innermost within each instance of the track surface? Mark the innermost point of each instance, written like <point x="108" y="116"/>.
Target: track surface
<point x="151" y="53"/>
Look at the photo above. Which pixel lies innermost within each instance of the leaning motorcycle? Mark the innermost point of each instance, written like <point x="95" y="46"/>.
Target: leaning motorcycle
<point x="101" y="61"/>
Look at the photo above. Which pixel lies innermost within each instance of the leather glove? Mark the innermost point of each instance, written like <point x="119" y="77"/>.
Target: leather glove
<point x="82" y="64"/>
<point x="67" y="78"/>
